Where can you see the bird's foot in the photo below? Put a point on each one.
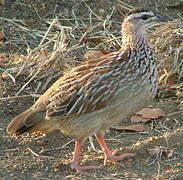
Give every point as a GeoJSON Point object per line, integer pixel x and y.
{"type": "Point", "coordinates": [75, 165]}
{"type": "Point", "coordinates": [111, 156]}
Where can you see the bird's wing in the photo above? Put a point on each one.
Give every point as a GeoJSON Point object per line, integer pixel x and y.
{"type": "Point", "coordinates": [88, 87]}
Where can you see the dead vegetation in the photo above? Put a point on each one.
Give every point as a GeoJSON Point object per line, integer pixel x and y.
{"type": "Point", "coordinates": [60, 47]}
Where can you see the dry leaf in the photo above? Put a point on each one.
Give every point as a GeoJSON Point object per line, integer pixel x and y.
{"type": "Point", "coordinates": [103, 51]}
{"type": "Point", "coordinates": [165, 78]}
{"type": "Point", "coordinates": [151, 113]}
{"type": "Point", "coordinates": [138, 118]}
{"type": "Point", "coordinates": [160, 151]}
{"type": "Point", "coordinates": [1, 36]}
{"type": "Point", "coordinates": [137, 127]}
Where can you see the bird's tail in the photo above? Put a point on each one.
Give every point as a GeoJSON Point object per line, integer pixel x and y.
{"type": "Point", "coordinates": [28, 121]}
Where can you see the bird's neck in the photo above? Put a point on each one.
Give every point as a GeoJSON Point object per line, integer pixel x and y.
{"type": "Point", "coordinates": [131, 37]}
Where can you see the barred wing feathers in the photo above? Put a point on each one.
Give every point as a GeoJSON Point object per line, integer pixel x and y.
{"type": "Point", "coordinates": [88, 87]}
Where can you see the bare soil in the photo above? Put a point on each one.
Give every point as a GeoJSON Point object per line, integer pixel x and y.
{"type": "Point", "coordinates": [159, 149]}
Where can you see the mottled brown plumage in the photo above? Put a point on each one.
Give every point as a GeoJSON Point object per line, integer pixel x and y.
{"type": "Point", "coordinates": [98, 93]}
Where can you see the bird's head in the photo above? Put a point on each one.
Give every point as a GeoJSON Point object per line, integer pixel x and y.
{"type": "Point", "coordinates": [141, 19]}
{"type": "Point", "coordinates": [135, 24]}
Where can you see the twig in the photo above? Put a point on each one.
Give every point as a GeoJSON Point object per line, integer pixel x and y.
{"type": "Point", "coordinates": [23, 96]}
{"type": "Point", "coordinates": [8, 150]}
{"type": "Point", "coordinates": [37, 155]}
{"type": "Point", "coordinates": [51, 25]}
{"type": "Point", "coordinates": [63, 146]}
{"type": "Point", "coordinates": [11, 76]}
{"type": "Point", "coordinates": [158, 173]}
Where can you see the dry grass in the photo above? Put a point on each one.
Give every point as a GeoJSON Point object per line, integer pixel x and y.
{"type": "Point", "coordinates": [61, 47]}
{"type": "Point", "coordinates": [168, 41]}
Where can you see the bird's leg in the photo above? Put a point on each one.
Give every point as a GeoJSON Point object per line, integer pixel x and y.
{"type": "Point", "coordinates": [111, 155]}
{"type": "Point", "coordinates": [75, 161]}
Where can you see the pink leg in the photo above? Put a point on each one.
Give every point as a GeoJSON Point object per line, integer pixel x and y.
{"type": "Point", "coordinates": [75, 161]}
{"type": "Point", "coordinates": [111, 155]}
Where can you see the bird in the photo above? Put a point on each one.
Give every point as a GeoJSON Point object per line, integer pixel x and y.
{"type": "Point", "coordinates": [98, 93]}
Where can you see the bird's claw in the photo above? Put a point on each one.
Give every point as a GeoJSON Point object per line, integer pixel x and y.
{"type": "Point", "coordinates": [113, 158]}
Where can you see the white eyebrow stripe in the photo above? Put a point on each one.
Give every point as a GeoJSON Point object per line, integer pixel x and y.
{"type": "Point", "coordinates": [138, 15]}
{"type": "Point", "coordinates": [143, 14]}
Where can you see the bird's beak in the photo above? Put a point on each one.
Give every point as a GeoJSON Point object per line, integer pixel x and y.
{"type": "Point", "coordinates": [161, 18]}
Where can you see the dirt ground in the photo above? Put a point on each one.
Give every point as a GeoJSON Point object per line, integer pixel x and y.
{"type": "Point", "coordinates": [158, 149]}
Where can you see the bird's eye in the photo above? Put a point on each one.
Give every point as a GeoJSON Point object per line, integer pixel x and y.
{"type": "Point", "coordinates": [145, 17]}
